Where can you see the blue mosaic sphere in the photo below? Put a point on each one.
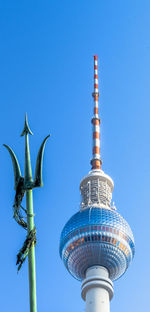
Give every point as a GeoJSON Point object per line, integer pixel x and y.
{"type": "Point", "coordinates": [97, 236]}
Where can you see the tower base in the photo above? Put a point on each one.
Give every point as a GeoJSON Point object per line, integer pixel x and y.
{"type": "Point", "coordinates": [97, 289]}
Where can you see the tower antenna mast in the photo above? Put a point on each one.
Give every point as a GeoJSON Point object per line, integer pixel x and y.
{"type": "Point", "coordinates": [24, 185]}
{"type": "Point", "coordinates": [96, 161]}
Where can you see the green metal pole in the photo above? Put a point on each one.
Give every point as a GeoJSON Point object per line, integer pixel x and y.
{"type": "Point", "coordinates": [30, 225]}
{"type": "Point", "coordinates": [31, 255]}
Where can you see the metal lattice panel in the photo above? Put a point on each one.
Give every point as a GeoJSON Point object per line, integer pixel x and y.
{"type": "Point", "coordinates": [95, 191]}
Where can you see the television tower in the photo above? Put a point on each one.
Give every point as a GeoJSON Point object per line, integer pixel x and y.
{"type": "Point", "coordinates": [96, 244]}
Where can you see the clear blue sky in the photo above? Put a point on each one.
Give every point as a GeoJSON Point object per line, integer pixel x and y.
{"type": "Point", "coordinates": [46, 69]}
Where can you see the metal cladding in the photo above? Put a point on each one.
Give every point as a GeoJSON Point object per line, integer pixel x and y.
{"type": "Point", "coordinates": [96, 235]}
{"type": "Point", "coordinates": [96, 190]}
{"type": "Point", "coordinates": [96, 160]}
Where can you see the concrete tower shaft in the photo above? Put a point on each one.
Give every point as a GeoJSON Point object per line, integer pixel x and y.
{"type": "Point", "coordinates": [97, 289]}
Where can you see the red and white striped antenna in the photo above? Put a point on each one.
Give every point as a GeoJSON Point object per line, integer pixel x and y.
{"type": "Point", "coordinates": [96, 161]}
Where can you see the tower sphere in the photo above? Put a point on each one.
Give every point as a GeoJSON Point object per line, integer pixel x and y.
{"type": "Point", "coordinates": [97, 236]}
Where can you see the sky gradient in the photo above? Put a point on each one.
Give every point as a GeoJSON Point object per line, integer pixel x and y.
{"type": "Point", "coordinates": [46, 70]}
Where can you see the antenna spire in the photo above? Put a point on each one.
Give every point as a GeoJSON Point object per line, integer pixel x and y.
{"type": "Point", "coordinates": [96, 161]}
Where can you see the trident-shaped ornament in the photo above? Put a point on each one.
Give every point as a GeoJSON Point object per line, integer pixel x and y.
{"type": "Point", "coordinates": [25, 185]}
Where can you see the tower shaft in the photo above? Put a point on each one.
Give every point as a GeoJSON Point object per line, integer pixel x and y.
{"type": "Point", "coordinates": [97, 290]}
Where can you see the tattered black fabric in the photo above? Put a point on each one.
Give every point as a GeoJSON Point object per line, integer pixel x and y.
{"type": "Point", "coordinates": [29, 242]}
